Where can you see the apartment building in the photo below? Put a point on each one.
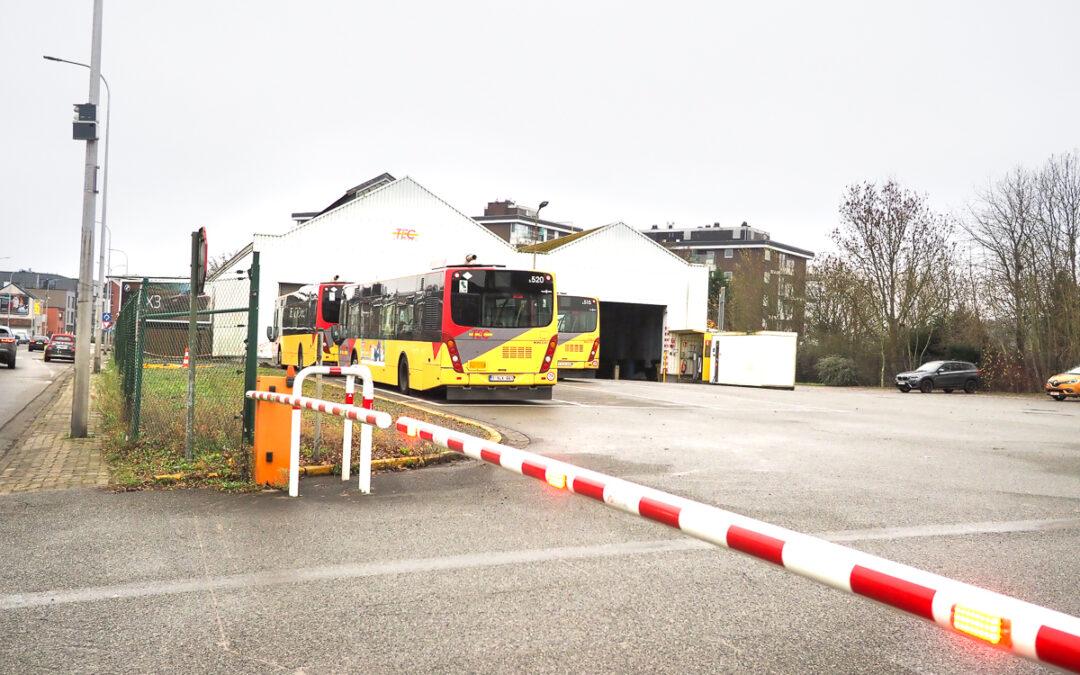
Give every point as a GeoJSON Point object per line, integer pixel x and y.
{"type": "Point", "coordinates": [766, 279]}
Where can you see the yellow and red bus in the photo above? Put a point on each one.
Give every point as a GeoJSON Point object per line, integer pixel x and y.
{"type": "Point", "coordinates": [578, 354]}
{"type": "Point", "coordinates": [302, 323]}
{"type": "Point", "coordinates": [479, 332]}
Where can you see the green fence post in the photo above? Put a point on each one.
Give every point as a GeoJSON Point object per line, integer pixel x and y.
{"type": "Point", "coordinates": [133, 310]}
{"type": "Point", "coordinates": [251, 354]}
{"type": "Point", "coordinates": [136, 363]}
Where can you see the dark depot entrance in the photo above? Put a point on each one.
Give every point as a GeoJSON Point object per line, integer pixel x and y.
{"type": "Point", "coordinates": [631, 336]}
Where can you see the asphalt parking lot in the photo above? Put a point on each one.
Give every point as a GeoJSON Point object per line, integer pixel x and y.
{"type": "Point", "coordinates": [464, 567]}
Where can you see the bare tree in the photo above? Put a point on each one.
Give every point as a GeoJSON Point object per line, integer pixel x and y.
{"type": "Point", "coordinates": [1059, 211]}
{"type": "Point", "coordinates": [834, 302]}
{"type": "Point", "coordinates": [218, 261]}
{"type": "Point", "coordinates": [901, 252]}
{"type": "Point", "coordinates": [1004, 225]}
{"type": "Point", "coordinates": [1057, 327]}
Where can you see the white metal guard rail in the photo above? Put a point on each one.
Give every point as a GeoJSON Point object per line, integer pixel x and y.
{"type": "Point", "coordinates": [365, 415]}
{"type": "Point", "coordinates": [1027, 630]}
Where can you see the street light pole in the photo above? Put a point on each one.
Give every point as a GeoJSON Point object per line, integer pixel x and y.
{"type": "Point", "coordinates": [98, 346]}
{"type": "Point", "coordinates": [80, 397]}
{"type": "Point", "coordinates": [538, 209]}
{"type": "Point", "coordinates": [104, 211]}
{"type": "Point", "coordinates": [47, 282]}
{"type": "Point", "coordinates": [116, 250]}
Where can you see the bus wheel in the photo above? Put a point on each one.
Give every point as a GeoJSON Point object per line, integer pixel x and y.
{"type": "Point", "coordinates": [403, 375]}
{"type": "Point", "coordinates": [300, 357]}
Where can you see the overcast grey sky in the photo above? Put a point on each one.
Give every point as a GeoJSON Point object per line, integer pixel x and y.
{"type": "Point", "coordinates": [234, 114]}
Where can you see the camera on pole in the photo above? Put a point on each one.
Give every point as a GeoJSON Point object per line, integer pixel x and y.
{"type": "Point", "coordinates": [84, 127]}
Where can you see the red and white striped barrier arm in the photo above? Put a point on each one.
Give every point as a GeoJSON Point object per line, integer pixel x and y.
{"type": "Point", "coordinates": [1027, 630]}
{"type": "Point", "coordinates": [376, 418]}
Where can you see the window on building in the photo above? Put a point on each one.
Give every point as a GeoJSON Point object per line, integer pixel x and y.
{"type": "Point", "coordinates": [521, 234]}
{"type": "Point", "coordinates": [767, 276]}
{"type": "Point", "coordinates": [729, 253]}
{"type": "Point", "coordinates": [768, 254]}
{"type": "Point", "coordinates": [727, 276]}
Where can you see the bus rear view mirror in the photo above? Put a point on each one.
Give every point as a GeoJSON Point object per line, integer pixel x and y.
{"type": "Point", "coordinates": [271, 333]}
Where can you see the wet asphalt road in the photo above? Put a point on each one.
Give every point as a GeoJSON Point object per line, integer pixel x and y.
{"type": "Point", "coordinates": [465, 567]}
{"type": "Point", "coordinates": [20, 386]}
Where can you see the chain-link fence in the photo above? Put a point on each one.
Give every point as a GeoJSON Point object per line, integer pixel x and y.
{"type": "Point", "coordinates": [166, 362]}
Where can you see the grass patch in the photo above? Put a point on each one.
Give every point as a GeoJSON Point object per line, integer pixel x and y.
{"type": "Point", "coordinates": [220, 459]}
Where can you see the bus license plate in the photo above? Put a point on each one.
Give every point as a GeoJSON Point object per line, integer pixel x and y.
{"type": "Point", "coordinates": [565, 364]}
{"type": "Point", "coordinates": [500, 378]}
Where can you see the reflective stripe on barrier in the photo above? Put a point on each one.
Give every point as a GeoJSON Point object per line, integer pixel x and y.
{"type": "Point", "coordinates": [373, 417]}
{"type": "Point", "coordinates": [1022, 628]}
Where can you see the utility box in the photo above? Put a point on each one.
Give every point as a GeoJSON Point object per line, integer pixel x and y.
{"type": "Point", "coordinates": [272, 436]}
{"type": "Point", "coordinates": [84, 131]}
{"type": "Point", "coordinates": [761, 359]}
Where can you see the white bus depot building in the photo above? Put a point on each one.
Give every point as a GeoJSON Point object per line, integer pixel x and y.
{"type": "Point", "coordinates": [388, 227]}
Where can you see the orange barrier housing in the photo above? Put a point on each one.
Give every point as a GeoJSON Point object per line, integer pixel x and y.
{"type": "Point", "coordinates": [272, 424]}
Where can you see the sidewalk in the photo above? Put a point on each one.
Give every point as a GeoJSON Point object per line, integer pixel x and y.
{"type": "Point", "coordinates": [46, 458]}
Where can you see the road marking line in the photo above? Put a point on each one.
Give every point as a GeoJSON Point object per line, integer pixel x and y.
{"type": "Point", "coordinates": [559, 400]}
{"type": "Point", "coordinates": [481, 560]}
{"type": "Point", "coordinates": [347, 571]}
{"type": "Point", "coordinates": [952, 529]}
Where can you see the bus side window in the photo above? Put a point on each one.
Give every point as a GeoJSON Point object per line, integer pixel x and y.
{"type": "Point", "coordinates": [374, 323]}
{"type": "Point", "coordinates": [352, 319]}
{"type": "Point", "coordinates": [386, 331]}
{"type": "Point", "coordinates": [310, 309]}
{"type": "Point", "coordinates": [405, 316]}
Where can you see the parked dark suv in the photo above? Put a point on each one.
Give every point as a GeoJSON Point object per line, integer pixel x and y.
{"type": "Point", "coordinates": [9, 346]}
{"type": "Point", "coordinates": [945, 375]}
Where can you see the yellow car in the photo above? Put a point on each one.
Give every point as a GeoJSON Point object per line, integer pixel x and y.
{"type": "Point", "coordinates": [1064, 385]}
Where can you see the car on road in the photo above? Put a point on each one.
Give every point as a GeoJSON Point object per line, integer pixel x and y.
{"type": "Point", "coordinates": [22, 336]}
{"type": "Point", "coordinates": [1063, 385]}
{"type": "Point", "coordinates": [9, 346]}
{"type": "Point", "coordinates": [945, 375]}
{"type": "Point", "coordinates": [62, 346]}
{"type": "Point", "coordinates": [38, 343]}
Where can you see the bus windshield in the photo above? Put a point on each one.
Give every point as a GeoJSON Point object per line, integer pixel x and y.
{"type": "Point", "coordinates": [330, 304]}
{"type": "Point", "coordinates": [577, 314]}
{"type": "Point", "coordinates": [501, 298]}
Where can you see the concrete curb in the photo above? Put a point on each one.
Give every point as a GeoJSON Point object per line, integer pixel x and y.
{"type": "Point", "coordinates": [493, 435]}
{"type": "Point", "coordinates": [165, 477]}
{"type": "Point", "coordinates": [385, 463]}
